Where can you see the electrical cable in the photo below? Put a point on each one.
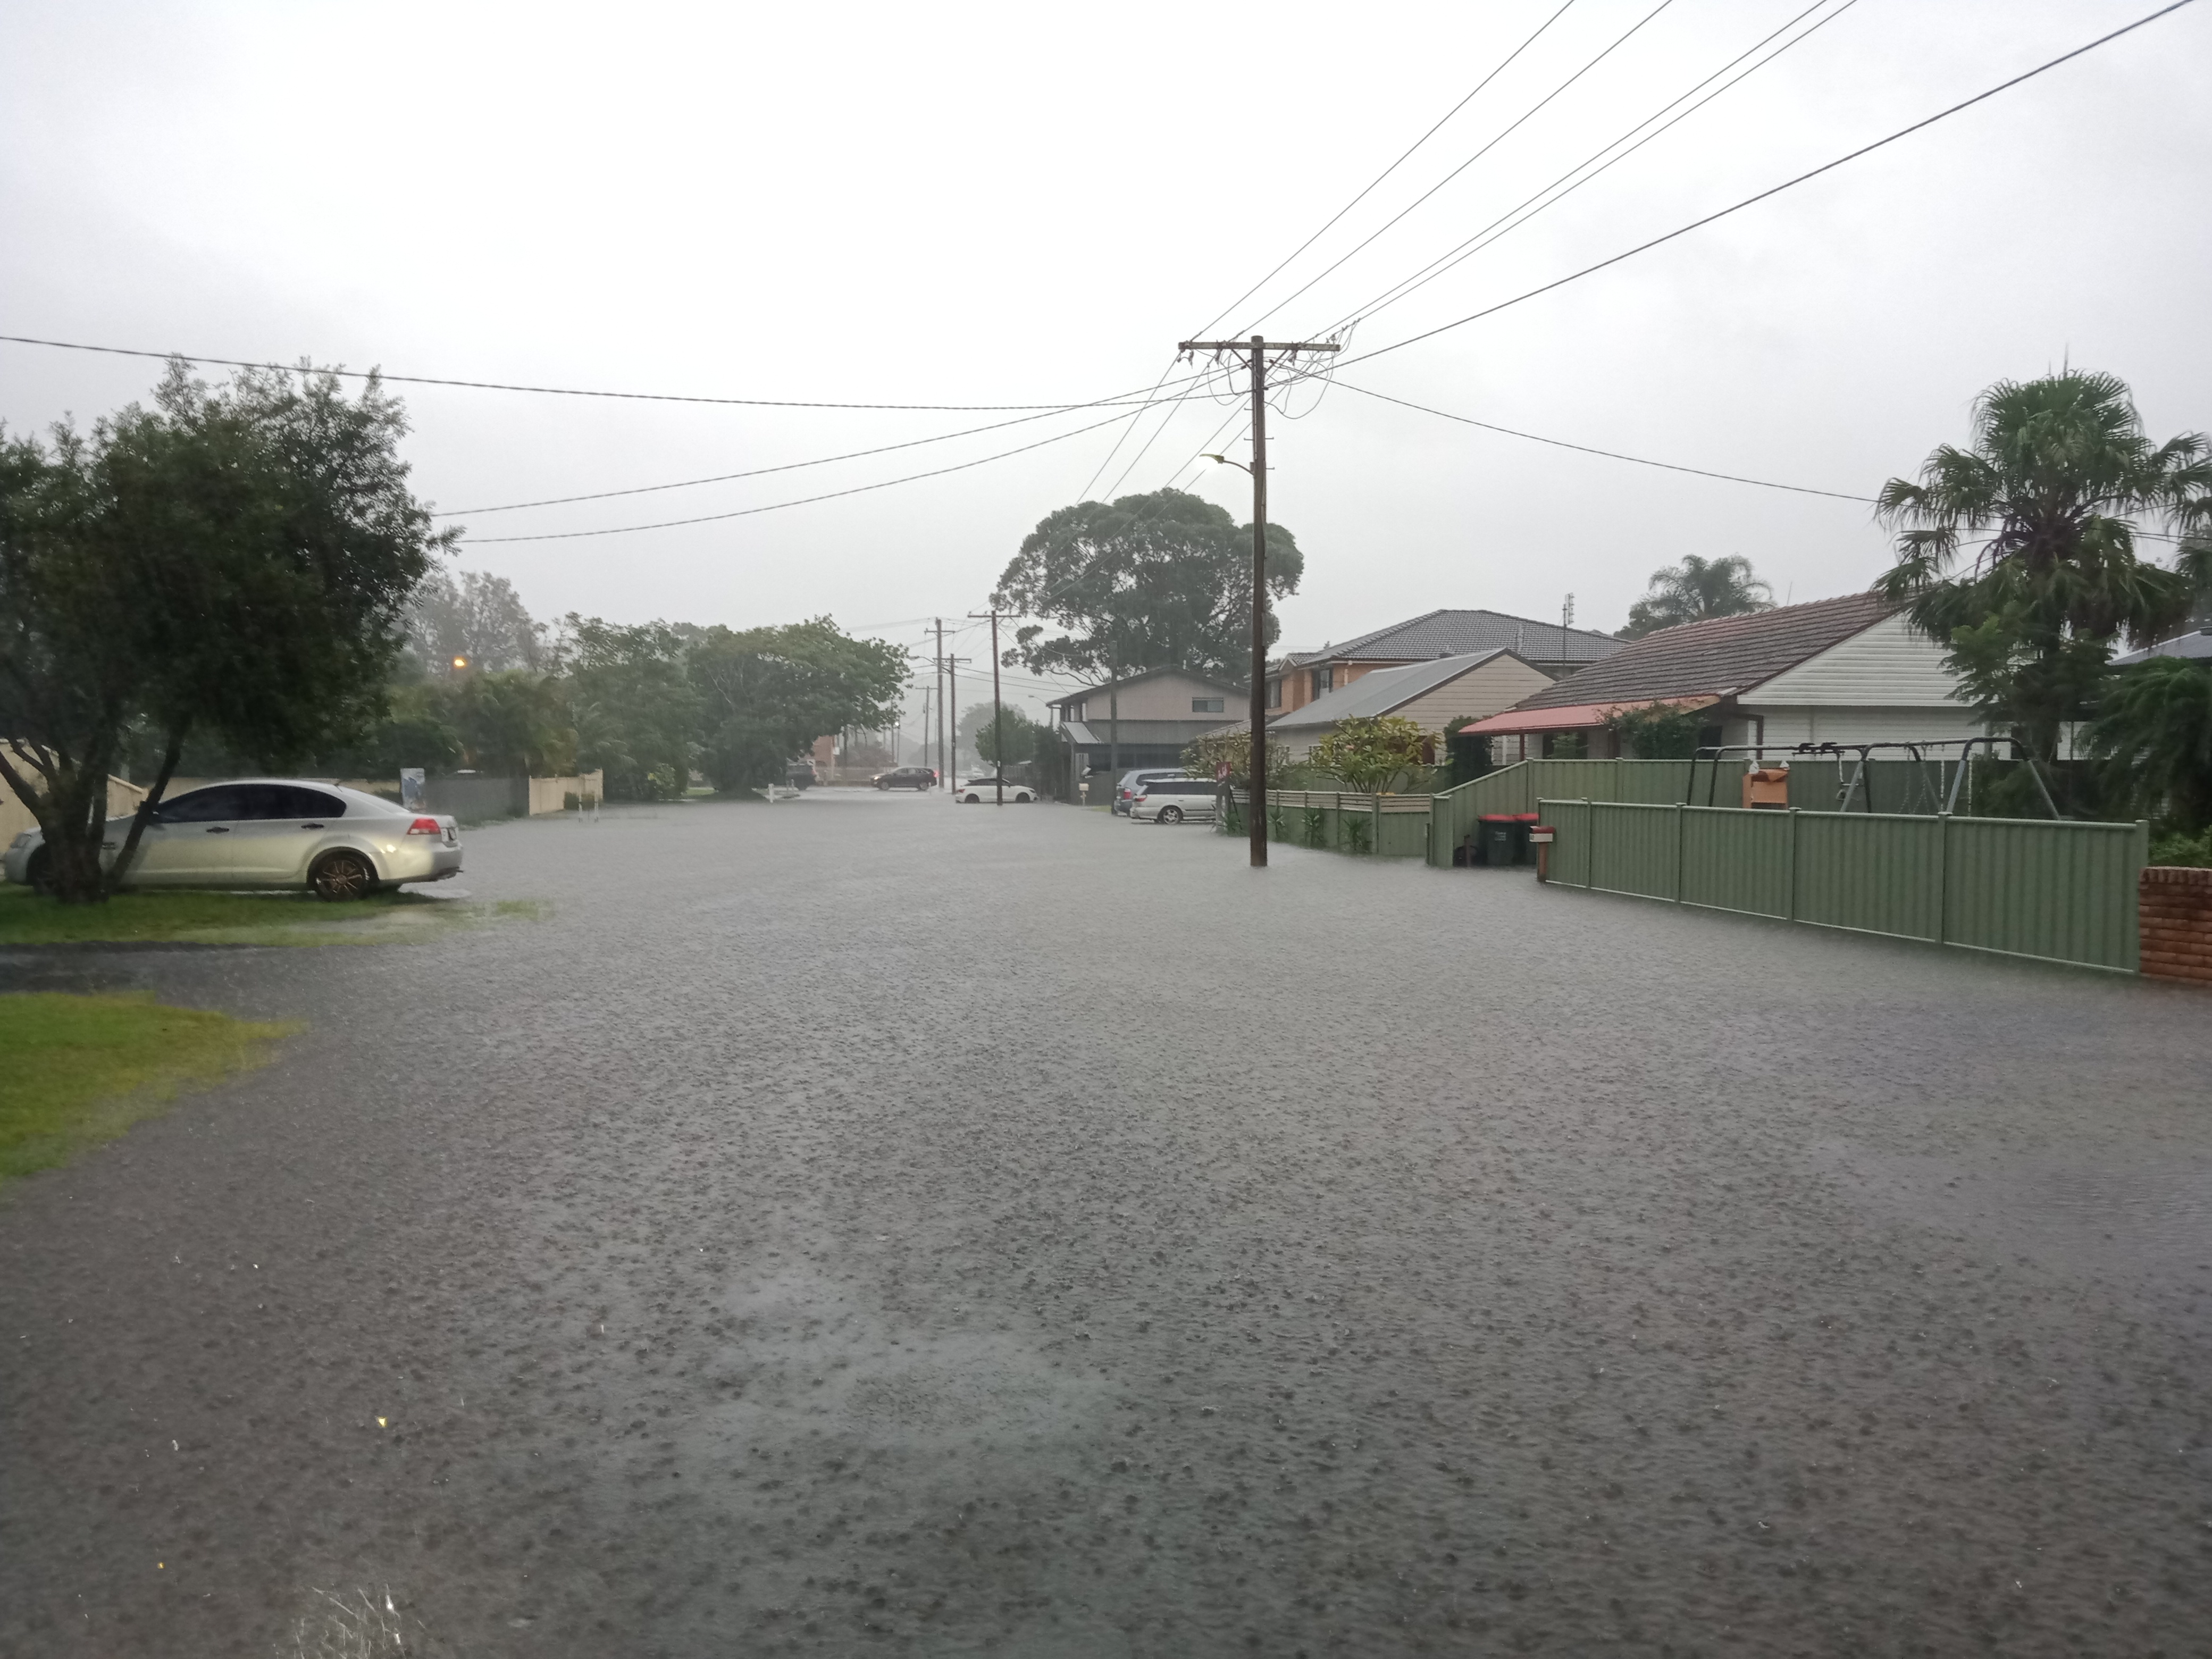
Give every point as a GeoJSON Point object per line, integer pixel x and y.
{"type": "Point", "coordinates": [1526, 116]}
{"type": "Point", "coordinates": [804, 500]}
{"type": "Point", "coordinates": [761, 471]}
{"type": "Point", "coordinates": [1385, 174]}
{"type": "Point", "coordinates": [1483, 238]}
{"type": "Point", "coordinates": [1776, 190]}
{"type": "Point", "coordinates": [1610, 454]}
{"type": "Point", "coordinates": [1132, 395]}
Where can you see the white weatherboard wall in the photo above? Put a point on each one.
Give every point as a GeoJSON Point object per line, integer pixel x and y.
{"type": "Point", "coordinates": [1886, 683]}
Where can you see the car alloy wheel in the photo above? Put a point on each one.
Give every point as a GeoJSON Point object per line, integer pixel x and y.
{"type": "Point", "coordinates": [342, 876]}
{"type": "Point", "coordinates": [1171, 815]}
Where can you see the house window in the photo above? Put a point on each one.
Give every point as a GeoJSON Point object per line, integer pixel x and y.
{"type": "Point", "coordinates": [1208, 705]}
{"type": "Point", "coordinates": [1324, 680]}
{"type": "Point", "coordinates": [1274, 694]}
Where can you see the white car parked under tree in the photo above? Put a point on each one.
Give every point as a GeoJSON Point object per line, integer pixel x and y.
{"type": "Point", "coordinates": [270, 833]}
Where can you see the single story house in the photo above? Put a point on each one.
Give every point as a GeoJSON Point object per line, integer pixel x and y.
{"type": "Point", "coordinates": [1431, 693]}
{"type": "Point", "coordinates": [1848, 669]}
{"type": "Point", "coordinates": [1302, 676]}
{"type": "Point", "coordinates": [1144, 719]}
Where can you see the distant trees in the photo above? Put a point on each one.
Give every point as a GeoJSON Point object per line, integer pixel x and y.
{"type": "Point", "coordinates": [2052, 481]}
{"type": "Point", "coordinates": [232, 563]}
{"type": "Point", "coordinates": [767, 693]}
{"type": "Point", "coordinates": [1022, 735]}
{"type": "Point", "coordinates": [1697, 590]}
{"type": "Point", "coordinates": [476, 617]}
{"type": "Point", "coordinates": [1161, 580]}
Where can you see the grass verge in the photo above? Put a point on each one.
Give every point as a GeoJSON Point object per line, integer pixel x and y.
{"type": "Point", "coordinates": [187, 918]}
{"type": "Point", "coordinates": [78, 1070]}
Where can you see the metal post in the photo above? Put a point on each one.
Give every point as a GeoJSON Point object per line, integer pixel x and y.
{"type": "Point", "coordinates": [997, 714]}
{"type": "Point", "coordinates": [943, 766]}
{"type": "Point", "coordinates": [1258, 763]}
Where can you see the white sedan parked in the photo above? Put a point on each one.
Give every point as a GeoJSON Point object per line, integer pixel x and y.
{"type": "Point", "coordinates": [270, 832]}
{"type": "Point", "coordinates": [977, 790]}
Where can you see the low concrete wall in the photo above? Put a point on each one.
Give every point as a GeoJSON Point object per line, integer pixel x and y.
{"type": "Point", "coordinates": [122, 799]}
{"type": "Point", "coordinates": [549, 795]}
{"type": "Point", "coordinates": [2175, 904]}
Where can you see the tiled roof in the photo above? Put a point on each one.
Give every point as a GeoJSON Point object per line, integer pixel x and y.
{"type": "Point", "coordinates": [1381, 691]}
{"type": "Point", "coordinates": [1458, 632]}
{"type": "Point", "coordinates": [1726, 654]}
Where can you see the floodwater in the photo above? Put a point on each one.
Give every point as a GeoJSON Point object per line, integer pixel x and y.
{"type": "Point", "coordinates": [876, 1225]}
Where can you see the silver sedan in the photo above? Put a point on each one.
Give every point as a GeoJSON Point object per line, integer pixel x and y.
{"type": "Point", "coordinates": [270, 832]}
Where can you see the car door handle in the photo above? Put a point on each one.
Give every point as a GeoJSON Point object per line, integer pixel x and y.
{"type": "Point", "coordinates": [310, 826]}
{"type": "Point", "coordinates": [218, 829]}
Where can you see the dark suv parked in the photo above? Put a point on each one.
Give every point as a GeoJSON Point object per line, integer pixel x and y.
{"type": "Point", "coordinates": [906, 777]}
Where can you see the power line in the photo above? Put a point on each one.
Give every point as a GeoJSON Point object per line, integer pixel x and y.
{"type": "Point", "coordinates": [1132, 395]}
{"type": "Point", "coordinates": [1527, 115]}
{"type": "Point", "coordinates": [787, 466]}
{"type": "Point", "coordinates": [1385, 174]}
{"type": "Point", "coordinates": [1788, 184]}
{"type": "Point", "coordinates": [804, 500]}
{"type": "Point", "coordinates": [1483, 238]}
{"type": "Point", "coordinates": [1610, 454]}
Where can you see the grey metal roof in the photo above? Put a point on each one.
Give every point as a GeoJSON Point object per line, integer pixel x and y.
{"type": "Point", "coordinates": [1381, 690]}
{"type": "Point", "coordinates": [1726, 654]}
{"type": "Point", "coordinates": [2198, 644]}
{"type": "Point", "coordinates": [1456, 633]}
{"type": "Point", "coordinates": [1095, 733]}
{"type": "Point", "coordinates": [1103, 686]}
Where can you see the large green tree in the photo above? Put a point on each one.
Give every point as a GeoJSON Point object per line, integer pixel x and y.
{"type": "Point", "coordinates": [634, 703]}
{"type": "Point", "coordinates": [233, 562]}
{"type": "Point", "coordinates": [767, 693]}
{"type": "Point", "coordinates": [1162, 580]}
{"type": "Point", "coordinates": [1697, 590]}
{"type": "Point", "coordinates": [2050, 487]}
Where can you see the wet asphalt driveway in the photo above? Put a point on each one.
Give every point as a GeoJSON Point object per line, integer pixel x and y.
{"type": "Point", "coordinates": [872, 1225]}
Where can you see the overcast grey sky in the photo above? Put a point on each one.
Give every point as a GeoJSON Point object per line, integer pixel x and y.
{"type": "Point", "coordinates": [1017, 205]}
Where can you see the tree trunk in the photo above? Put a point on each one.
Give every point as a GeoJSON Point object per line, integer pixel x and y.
{"type": "Point", "coordinates": [169, 757]}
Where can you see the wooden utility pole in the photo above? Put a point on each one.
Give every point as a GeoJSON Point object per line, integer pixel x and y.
{"type": "Point", "coordinates": [998, 708]}
{"type": "Point", "coordinates": [945, 771]}
{"type": "Point", "coordinates": [1258, 349]}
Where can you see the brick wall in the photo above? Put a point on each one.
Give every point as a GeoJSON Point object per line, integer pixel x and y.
{"type": "Point", "coordinates": [2175, 907]}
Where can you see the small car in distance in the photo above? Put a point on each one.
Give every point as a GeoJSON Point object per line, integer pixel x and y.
{"type": "Point", "coordinates": [270, 833]}
{"type": "Point", "coordinates": [1175, 801]}
{"type": "Point", "coordinates": [978, 790]}
{"type": "Point", "coordinates": [1131, 782]}
{"type": "Point", "coordinates": [906, 777]}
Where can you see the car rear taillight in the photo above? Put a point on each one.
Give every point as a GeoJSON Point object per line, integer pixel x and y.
{"type": "Point", "coordinates": [426, 827]}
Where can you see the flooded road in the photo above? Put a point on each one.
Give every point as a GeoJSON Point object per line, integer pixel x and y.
{"type": "Point", "coordinates": [873, 1225]}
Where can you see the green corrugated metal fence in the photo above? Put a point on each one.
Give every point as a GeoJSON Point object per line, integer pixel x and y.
{"type": "Point", "coordinates": [1902, 787]}
{"type": "Point", "coordinates": [2063, 891]}
{"type": "Point", "coordinates": [1338, 821]}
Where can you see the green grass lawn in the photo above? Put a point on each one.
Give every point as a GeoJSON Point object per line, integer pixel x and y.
{"type": "Point", "coordinates": [27, 918]}
{"type": "Point", "coordinates": [78, 1070]}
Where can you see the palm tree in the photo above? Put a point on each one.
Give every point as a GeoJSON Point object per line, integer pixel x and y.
{"type": "Point", "coordinates": [1698, 590]}
{"type": "Point", "coordinates": [2055, 475]}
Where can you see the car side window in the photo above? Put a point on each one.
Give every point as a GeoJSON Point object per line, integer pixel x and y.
{"type": "Point", "coordinates": [217, 805]}
{"type": "Point", "coordinates": [290, 801]}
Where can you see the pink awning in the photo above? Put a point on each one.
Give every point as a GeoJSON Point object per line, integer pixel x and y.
{"type": "Point", "coordinates": [1574, 715]}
